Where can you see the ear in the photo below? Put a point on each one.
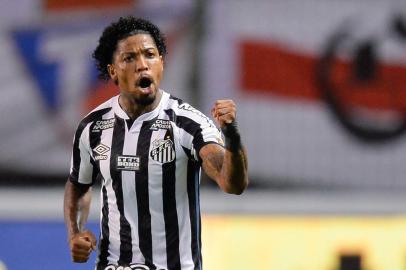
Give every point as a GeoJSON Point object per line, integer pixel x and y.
{"type": "Point", "coordinates": [112, 72]}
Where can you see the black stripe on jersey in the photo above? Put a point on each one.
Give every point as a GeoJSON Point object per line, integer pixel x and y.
{"type": "Point", "coordinates": [96, 170]}
{"type": "Point", "coordinates": [170, 211]}
{"type": "Point", "coordinates": [193, 170]}
{"type": "Point", "coordinates": [105, 232]}
{"type": "Point", "coordinates": [190, 126]}
{"type": "Point", "coordinates": [94, 140]}
{"type": "Point", "coordinates": [187, 152]}
{"type": "Point", "coordinates": [117, 146]}
{"type": "Point", "coordinates": [141, 187]}
{"type": "Point", "coordinates": [76, 151]}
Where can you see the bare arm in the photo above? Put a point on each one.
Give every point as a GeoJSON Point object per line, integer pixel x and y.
{"type": "Point", "coordinates": [228, 169]}
{"type": "Point", "coordinates": [227, 166]}
{"type": "Point", "coordinates": [76, 208]}
{"type": "Point", "coordinates": [84, 209]}
{"type": "Point", "coordinates": [76, 211]}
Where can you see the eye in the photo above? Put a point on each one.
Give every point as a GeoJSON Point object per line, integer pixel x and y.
{"type": "Point", "coordinates": [128, 58]}
{"type": "Point", "coordinates": [150, 54]}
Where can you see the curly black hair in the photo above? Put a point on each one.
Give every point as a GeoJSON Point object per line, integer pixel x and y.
{"type": "Point", "coordinates": [121, 29]}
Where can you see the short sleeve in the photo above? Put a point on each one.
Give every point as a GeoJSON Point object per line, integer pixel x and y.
{"type": "Point", "coordinates": [200, 127]}
{"type": "Point", "coordinates": [82, 165]}
{"type": "Point", "coordinates": [206, 134]}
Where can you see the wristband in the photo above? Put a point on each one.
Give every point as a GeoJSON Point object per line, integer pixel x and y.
{"type": "Point", "coordinates": [232, 138]}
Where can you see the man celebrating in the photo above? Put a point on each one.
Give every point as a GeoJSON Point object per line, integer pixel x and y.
{"type": "Point", "coordinates": [147, 147]}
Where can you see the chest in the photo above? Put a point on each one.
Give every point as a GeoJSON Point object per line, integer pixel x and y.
{"type": "Point", "coordinates": [137, 147]}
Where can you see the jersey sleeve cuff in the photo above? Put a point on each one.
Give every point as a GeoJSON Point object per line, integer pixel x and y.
{"type": "Point", "coordinates": [74, 180]}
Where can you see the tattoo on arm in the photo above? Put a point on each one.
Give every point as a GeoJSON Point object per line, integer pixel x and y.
{"type": "Point", "coordinates": [213, 162]}
{"type": "Point", "coordinates": [227, 168]}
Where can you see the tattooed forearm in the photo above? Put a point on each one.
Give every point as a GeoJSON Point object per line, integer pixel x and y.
{"type": "Point", "coordinates": [228, 169]}
{"type": "Point", "coordinates": [213, 163]}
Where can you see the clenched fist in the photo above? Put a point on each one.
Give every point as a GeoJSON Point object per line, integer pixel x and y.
{"type": "Point", "coordinates": [224, 112]}
{"type": "Point", "coordinates": [81, 245]}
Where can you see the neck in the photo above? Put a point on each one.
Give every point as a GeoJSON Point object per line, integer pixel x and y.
{"type": "Point", "coordinates": [133, 108]}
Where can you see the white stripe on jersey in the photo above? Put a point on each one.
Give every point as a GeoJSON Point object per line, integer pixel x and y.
{"type": "Point", "coordinates": [185, 237]}
{"type": "Point", "coordinates": [114, 214]}
{"type": "Point", "coordinates": [85, 172]}
{"type": "Point", "coordinates": [130, 198]}
{"type": "Point", "coordinates": [156, 202]}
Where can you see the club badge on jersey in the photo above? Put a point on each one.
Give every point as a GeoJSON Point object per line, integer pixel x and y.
{"type": "Point", "coordinates": [163, 151]}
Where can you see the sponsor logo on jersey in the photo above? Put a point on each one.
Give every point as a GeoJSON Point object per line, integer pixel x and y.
{"type": "Point", "coordinates": [128, 163]}
{"type": "Point", "coordinates": [100, 151]}
{"type": "Point", "coordinates": [163, 151]}
{"type": "Point", "coordinates": [161, 124]}
{"type": "Point", "coordinates": [103, 124]}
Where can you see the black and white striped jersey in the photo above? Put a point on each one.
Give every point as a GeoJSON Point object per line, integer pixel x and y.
{"type": "Point", "coordinates": [150, 175]}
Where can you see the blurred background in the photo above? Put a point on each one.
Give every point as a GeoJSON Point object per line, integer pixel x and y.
{"type": "Point", "coordinates": [320, 89]}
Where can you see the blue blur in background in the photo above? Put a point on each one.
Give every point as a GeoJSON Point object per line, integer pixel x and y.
{"type": "Point", "coordinates": [39, 245]}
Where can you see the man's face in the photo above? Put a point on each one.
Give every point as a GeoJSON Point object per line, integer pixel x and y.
{"type": "Point", "coordinates": [137, 68]}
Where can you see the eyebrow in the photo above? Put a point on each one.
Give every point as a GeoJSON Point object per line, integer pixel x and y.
{"type": "Point", "coordinates": [143, 49]}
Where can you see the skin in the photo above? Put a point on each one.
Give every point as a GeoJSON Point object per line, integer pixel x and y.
{"type": "Point", "coordinates": [76, 209]}
{"type": "Point", "coordinates": [229, 170]}
{"type": "Point", "coordinates": [135, 57]}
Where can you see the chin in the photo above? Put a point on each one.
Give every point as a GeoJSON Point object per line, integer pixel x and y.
{"type": "Point", "coordinates": [148, 100]}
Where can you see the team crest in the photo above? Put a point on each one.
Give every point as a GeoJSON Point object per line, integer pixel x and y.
{"type": "Point", "coordinates": [163, 151]}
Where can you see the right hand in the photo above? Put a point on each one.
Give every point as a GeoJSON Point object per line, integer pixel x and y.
{"type": "Point", "coordinates": [81, 245]}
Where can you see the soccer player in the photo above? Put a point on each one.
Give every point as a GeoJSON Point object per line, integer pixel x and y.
{"type": "Point", "coordinates": [147, 147]}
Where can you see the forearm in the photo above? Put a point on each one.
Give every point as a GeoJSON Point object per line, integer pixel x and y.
{"type": "Point", "coordinates": [227, 165]}
{"type": "Point", "coordinates": [234, 173]}
{"type": "Point", "coordinates": [75, 208]}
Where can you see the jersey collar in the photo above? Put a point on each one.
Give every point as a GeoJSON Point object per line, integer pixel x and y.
{"type": "Point", "coordinates": [146, 116]}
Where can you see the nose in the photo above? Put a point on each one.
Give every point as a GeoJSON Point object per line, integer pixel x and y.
{"type": "Point", "coordinates": [141, 64]}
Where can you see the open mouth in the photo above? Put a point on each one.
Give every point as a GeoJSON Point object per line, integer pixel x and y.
{"type": "Point", "coordinates": [144, 82]}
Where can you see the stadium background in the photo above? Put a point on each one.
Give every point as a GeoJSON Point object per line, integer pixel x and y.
{"type": "Point", "coordinates": [320, 91]}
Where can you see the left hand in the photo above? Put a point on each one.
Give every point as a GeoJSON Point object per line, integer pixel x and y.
{"type": "Point", "coordinates": [224, 112]}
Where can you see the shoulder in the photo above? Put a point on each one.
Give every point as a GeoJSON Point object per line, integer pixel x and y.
{"type": "Point", "coordinates": [184, 114]}
{"type": "Point", "coordinates": [171, 102]}
{"type": "Point", "coordinates": [96, 114]}
{"type": "Point", "coordinates": [182, 108]}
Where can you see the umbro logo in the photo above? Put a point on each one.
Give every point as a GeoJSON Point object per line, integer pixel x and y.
{"type": "Point", "coordinates": [100, 151]}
